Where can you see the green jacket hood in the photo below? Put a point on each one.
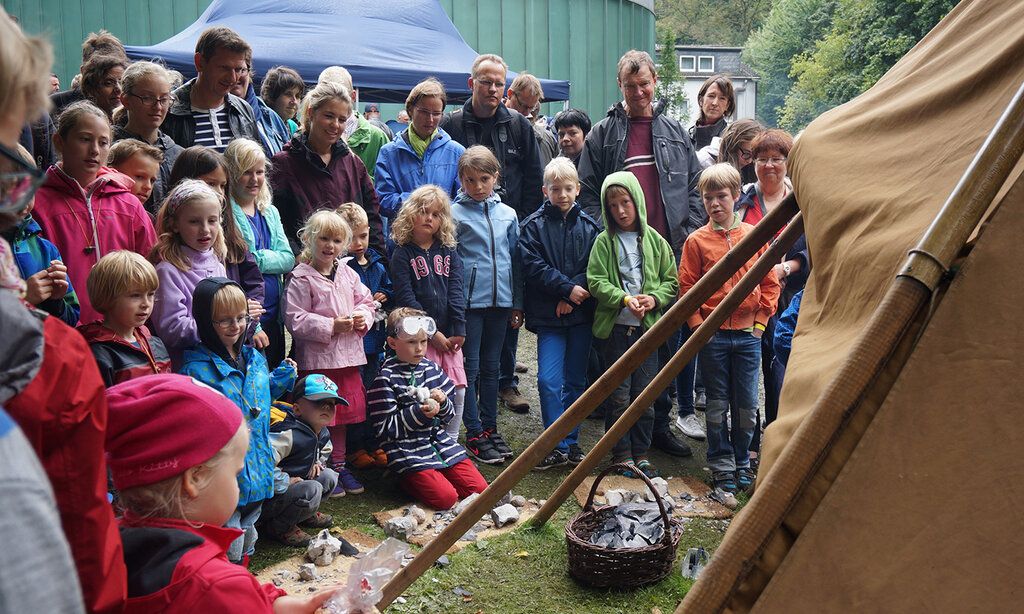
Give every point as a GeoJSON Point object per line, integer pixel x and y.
{"type": "Point", "coordinates": [627, 180]}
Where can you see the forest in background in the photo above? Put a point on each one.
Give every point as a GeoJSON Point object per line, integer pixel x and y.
{"type": "Point", "coordinates": [812, 55]}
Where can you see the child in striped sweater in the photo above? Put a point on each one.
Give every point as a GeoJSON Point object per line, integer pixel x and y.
{"type": "Point", "coordinates": [410, 404]}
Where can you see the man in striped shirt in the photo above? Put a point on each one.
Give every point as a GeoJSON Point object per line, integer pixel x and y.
{"type": "Point", "coordinates": [204, 111]}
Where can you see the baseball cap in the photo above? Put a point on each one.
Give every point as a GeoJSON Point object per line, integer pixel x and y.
{"type": "Point", "coordinates": [318, 387]}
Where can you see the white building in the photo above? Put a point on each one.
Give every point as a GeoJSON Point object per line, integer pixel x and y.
{"type": "Point", "coordinates": [698, 62]}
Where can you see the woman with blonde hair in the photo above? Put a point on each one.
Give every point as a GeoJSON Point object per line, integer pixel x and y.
{"type": "Point", "coordinates": [260, 224]}
{"type": "Point", "coordinates": [317, 168]}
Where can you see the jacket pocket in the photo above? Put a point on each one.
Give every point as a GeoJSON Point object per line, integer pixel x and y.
{"type": "Point", "coordinates": [469, 293]}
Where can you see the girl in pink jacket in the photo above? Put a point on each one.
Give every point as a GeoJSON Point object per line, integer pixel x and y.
{"type": "Point", "coordinates": [328, 310]}
{"type": "Point", "coordinates": [84, 209]}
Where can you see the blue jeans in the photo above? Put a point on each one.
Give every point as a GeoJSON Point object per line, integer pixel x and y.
{"type": "Point", "coordinates": [683, 383]}
{"type": "Point", "coordinates": [729, 364]}
{"type": "Point", "coordinates": [299, 502]}
{"type": "Point", "coordinates": [637, 441]}
{"type": "Point", "coordinates": [485, 335]}
{"type": "Point", "coordinates": [562, 356]}
{"type": "Point", "coordinates": [507, 377]}
{"type": "Point", "coordinates": [244, 518]}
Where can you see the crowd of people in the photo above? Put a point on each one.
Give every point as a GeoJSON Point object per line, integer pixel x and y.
{"type": "Point", "coordinates": [235, 302]}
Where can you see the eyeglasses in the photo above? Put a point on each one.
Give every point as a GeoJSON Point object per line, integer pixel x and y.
{"type": "Point", "coordinates": [150, 101]}
{"type": "Point", "coordinates": [772, 161]}
{"type": "Point", "coordinates": [410, 326]}
{"type": "Point", "coordinates": [746, 154]}
{"type": "Point", "coordinates": [18, 186]}
{"type": "Point", "coordinates": [240, 321]}
{"type": "Point", "coordinates": [430, 114]}
{"type": "Point", "coordinates": [489, 84]}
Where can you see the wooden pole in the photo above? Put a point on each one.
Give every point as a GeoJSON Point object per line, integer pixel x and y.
{"type": "Point", "coordinates": [668, 373]}
{"type": "Point", "coordinates": [591, 398]}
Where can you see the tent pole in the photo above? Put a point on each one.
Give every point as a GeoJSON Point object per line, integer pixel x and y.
{"type": "Point", "coordinates": [668, 373]}
{"type": "Point", "coordinates": [671, 321]}
{"type": "Point", "coordinates": [926, 264]}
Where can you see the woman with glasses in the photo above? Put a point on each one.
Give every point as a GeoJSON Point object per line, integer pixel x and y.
{"type": "Point", "coordinates": [735, 147]}
{"type": "Point", "coordinates": [422, 153]}
{"type": "Point", "coordinates": [146, 97]}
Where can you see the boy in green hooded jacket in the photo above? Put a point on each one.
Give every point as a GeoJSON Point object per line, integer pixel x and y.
{"type": "Point", "coordinates": [632, 274]}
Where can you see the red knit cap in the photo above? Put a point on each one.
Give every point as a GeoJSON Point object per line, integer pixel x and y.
{"type": "Point", "coordinates": [158, 426]}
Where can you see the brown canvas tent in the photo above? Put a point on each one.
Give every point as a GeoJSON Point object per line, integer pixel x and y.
{"type": "Point", "coordinates": [912, 503]}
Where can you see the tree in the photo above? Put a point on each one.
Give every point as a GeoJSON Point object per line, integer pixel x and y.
{"type": "Point", "coordinates": [710, 22]}
{"type": "Point", "coordinates": [670, 85]}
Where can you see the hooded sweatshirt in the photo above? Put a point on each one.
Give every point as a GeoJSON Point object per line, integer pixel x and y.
{"type": "Point", "coordinates": [431, 280]}
{"type": "Point", "coordinates": [658, 270]}
{"type": "Point", "coordinates": [246, 382]}
{"type": "Point", "coordinates": [172, 310]}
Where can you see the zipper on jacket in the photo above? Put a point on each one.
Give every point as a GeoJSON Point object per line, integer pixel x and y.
{"type": "Point", "coordinates": [494, 258]}
{"type": "Point", "coordinates": [472, 282]}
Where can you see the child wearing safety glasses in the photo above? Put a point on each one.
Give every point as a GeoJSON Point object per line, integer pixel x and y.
{"type": "Point", "coordinates": [410, 404]}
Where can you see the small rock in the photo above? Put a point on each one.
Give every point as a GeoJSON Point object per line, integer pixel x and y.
{"type": "Point", "coordinates": [532, 501]}
{"type": "Point", "coordinates": [542, 502]}
{"type": "Point", "coordinates": [518, 501]}
{"type": "Point", "coordinates": [399, 599]}
{"type": "Point", "coordinates": [486, 522]}
{"type": "Point", "coordinates": [504, 515]}
{"type": "Point", "coordinates": [414, 511]}
{"type": "Point", "coordinates": [617, 496]}
{"type": "Point", "coordinates": [307, 572]}
{"type": "Point", "coordinates": [277, 581]}
{"type": "Point", "coordinates": [401, 527]}
{"type": "Point", "coordinates": [323, 548]}
{"type": "Point", "coordinates": [480, 527]}
{"type": "Point", "coordinates": [660, 485]}
{"type": "Point", "coordinates": [470, 536]}
{"type": "Point", "coordinates": [506, 499]}
{"type": "Point", "coordinates": [443, 561]}
{"type": "Point", "coordinates": [462, 505]}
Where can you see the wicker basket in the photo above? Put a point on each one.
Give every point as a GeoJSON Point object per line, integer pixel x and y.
{"type": "Point", "coordinates": [618, 567]}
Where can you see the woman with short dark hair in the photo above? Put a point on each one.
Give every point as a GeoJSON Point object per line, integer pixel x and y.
{"type": "Point", "coordinates": [716, 100]}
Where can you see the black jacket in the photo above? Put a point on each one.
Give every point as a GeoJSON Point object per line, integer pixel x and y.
{"type": "Point", "coordinates": [604, 152]}
{"type": "Point", "coordinates": [431, 280]}
{"type": "Point", "coordinates": [702, 135]}
{"type": "Point", "coordinates": [306, 445]}
{"type": "Point", "coordinates": [181, 126]}
{"type": "Point", "coordinates": [555, 251]}
{"type": "Point", "coordinates": [515, 146]}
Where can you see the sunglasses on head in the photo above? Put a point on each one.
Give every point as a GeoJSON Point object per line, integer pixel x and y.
{"type": "Point", "coordinates": [19, 181]}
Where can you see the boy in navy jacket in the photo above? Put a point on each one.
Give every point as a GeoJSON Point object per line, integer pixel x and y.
{"type": "Point", "coordinates": [554, 245]}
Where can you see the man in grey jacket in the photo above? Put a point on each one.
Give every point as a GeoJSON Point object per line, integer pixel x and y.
{"type": "Point", "coordinates": [204, 111]}
{"type": "Point", "coordinates": [636, 136]}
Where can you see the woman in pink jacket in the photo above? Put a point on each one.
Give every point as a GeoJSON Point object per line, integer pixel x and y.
{"type": "Point", "coordinates": [83, 208]}
{"type": "Point", "coordinates": [328, 310]}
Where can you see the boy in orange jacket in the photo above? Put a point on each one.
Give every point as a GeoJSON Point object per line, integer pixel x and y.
{"type": "Point", "coordinates": [730, 361]}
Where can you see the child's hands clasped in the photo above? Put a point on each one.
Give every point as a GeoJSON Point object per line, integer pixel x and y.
{"type": "Point", "coordinates": [563, 308]}
{"type": "Point", "coordinates": [438, 395]}
{"type": "Point", "coordinates": [359, 322]}
{"type": "Point", "coordinates": [578, 295]}
{"type": "Point", "coordinates": [343, 324]}
{"type": "Point", "coordinates": [50, 283]}
{"type": "Point", "coordinates": [430, 408]}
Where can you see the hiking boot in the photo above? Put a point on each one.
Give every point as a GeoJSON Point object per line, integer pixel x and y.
{"type": "Point", "coordinates": [347, 483]}
{"type": "Point", "coordinates": [554, 459]}
{"type": "Point", "coordinates": [670, 444]}
{"type": "Point", "coordinates": [575, 454]}
{"type": "Point", "coordinates": [380, 458]}
{"type": "Point", "coordinates": [690, 426]}
{"type": "Point", "coordinates": [499, 444]}
{"type": "Point", "coordinates": [513, 400]}
{"type": "Point", "coordinates": [724, 497]}
{"type": "Point", "coordinates": [318, 520]}
{"type": "Point", "coordinates": [361, 459]}
{"type": "Point", "coordinates": [481, 448]}
{"type": "Point", "coordinates": [700, 400]}
{"type": "Point", "coordinates": [293, 537]}
{"type": "Point", "coordinates": [745, 478]}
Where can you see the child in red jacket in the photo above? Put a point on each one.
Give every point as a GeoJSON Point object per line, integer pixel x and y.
{"type": "Point", "coordinates": [175, 447]}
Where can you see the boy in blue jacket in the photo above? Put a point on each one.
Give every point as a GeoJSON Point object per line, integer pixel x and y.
{"type": "Point", "coordinates": [554, 245]}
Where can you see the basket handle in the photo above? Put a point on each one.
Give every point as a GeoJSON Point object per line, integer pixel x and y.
{"type": "Point", "coordinates": [657, 499]}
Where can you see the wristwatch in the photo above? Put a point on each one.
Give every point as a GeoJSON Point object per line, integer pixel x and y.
{"type": "Point", "coordinates": [788, 269]}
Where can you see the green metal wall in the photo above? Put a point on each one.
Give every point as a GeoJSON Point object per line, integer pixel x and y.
{"type": "Point", "coordinates": [578, 40]}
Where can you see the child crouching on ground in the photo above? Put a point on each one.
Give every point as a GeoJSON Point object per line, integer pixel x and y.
{"type": "Point", "coordinates": [632, 274]}
{"type": "Point", "coordinates": [410, 404]}
{"type": "Point", "coordinates": [122, 287]}
{"type": "Point", "coordinates": [302, 451]}
{"type": "Point", "coordinates": [175, 447]}
{"type": "Point", "coordinates": [239, 372]}
{"type": "Point", "coordinates": [730, 362]}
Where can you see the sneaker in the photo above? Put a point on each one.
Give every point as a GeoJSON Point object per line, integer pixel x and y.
{"type": "Point", "coordinates": [294, 537]}
{"type": "Point", "coordinates": [361, 459]}
{"type": "Point", "coordinates": [724, 480]}
{"type": "Point", "coordinates": [670, 444]}
{"type": "Point", "coordinates": [554, 459]}
{"type": "Point", "coordinates": [647, 468]}
{"type": "Point", "coordinates": [513, 400]}
{"type": "Point", "coordinates": [481, 448]}
{"type": "Point", "coordinates": [521, 368]}
{"type": "Point", "coordinates": [349, 483]}
{"type": "Point", "coordinates": [700, 400]}
{"type": "Point", "coordinates": [499, 444]}
{"type": "Point", "coordinates": [380, 458]}
{"type": "Point", "coordinates": [690, 426]}
{"type": "Point", "coordinates": [745, 478]}
{"type": "Point", "coordinates": [318, 520]}
{"type": "Point", "coordinates": [575, 454]}
{"type": "Point", "coordinates": [724, 497]}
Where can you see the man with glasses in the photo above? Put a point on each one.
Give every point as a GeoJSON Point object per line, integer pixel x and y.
{"type": "Point", "coordinates": [204, 111]}
{"type": "Point", "coordinates": [524, 96]}
{"type": "Point", "coordinates": [483, 120]}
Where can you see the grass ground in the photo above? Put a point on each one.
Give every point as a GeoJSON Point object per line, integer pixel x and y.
{"type": "Point", "coordinates": [500, 578]}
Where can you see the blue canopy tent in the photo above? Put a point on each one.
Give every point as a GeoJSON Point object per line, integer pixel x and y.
{"type": "Point", "coordinates": [388, 45]}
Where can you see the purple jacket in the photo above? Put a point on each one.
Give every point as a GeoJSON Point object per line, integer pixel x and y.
{"type": "Point", "coordinates": [302, 183]}
{"type": "Point", "coordinates": [312, 302]}
{"type": "Point", "coordinates": [172, 311]}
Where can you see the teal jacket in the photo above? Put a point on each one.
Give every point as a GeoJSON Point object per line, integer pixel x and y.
{"type": "Point", "coordinates": [659, 268]}
{"type": "Point", "coordinates": [277, 260]}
